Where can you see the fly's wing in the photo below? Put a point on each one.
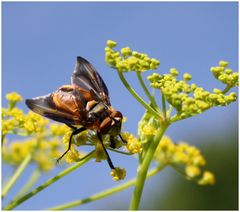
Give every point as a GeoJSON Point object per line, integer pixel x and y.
{"type": "Point", "coordinates": [45, 106]}
{"type": "Point", "coordinates": [85, 76]}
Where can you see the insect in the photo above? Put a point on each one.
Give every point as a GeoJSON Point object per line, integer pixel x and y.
{"type": "Point", "coordinates": [85, 102]}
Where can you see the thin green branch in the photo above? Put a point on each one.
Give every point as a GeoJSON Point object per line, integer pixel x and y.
{"type": "Point", "coordinates": [106, 192]}
{"type": "Point", "coordinates": [16, 175]}
{"type": "Point", "coordinates": [31, 181]}
{"type": "Point", "coordinates": [137, 97]}
{"type": "Point", "coordinates": [181, 172]}
{"type": "Point", "coordinates": [164, 107]}
{"type": "Point", "coordinates": [150, 97]}
{"type": "Point", "coordinates": [143, 168]}
{"type": "Point", "coordinates": [170, 108]}
{"type": "Point", "coordinates": [118, 151]}
{"type": "Point", "coordinates": [225, 90]}
{"type": "Point", "coordinates": [18, 201]}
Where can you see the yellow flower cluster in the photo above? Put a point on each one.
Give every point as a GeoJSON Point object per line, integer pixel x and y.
{"type": "Point", "coordinates": [128, 60]}
{"type": "Point", "coordinates": [118, 174]}
{"type": "Point", "coordinates": [45, 152]}
{"type": "Point", "coordinates": [186, 155]}
{"type": "Point", "coordinates": [147, 127]}
{"type": "Point", "coordinates": [14, 121]}
{"type": "Point", "coordinates": [188, 99]}
{"type": "Point", "coordinates": [59, 130]}
{"type": "Point", "coordinates": [224, 74]}
{"type": "Point", "coordinates": [133, 144]}
{"type": "Point", "coordinates": [74, 155]}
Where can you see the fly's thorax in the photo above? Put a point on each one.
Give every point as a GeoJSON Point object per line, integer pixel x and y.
{"type": "Point", "coordinates": [97, 112]}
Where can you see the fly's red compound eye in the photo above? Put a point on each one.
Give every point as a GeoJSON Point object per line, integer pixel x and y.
{"type": "Point", "coordinates": [117, 115]}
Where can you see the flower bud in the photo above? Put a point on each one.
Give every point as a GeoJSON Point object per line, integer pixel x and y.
{"type": "Point", "coordinates": [118, 174]}
{"type": "Point", "coordinates": [111, 43]}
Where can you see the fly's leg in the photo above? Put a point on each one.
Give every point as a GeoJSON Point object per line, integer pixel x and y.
{"type": "Point", "coordinates": [75, 132]}
{"type": "Point", "coordinates": [108, 157]}
{"type": "Point", "coordinates": [122, 139]}
{"type": "Point", "coordinates": [112, 142]}
{"type": "Point", "coordinates": [72, 127]}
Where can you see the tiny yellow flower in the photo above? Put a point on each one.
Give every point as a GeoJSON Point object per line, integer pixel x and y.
{"type": "Point", "coordinates": [207, 179]}
{"type": "Point", "coordinates": [223, 63]}
{"type": "Point", "coordinates": [174, 72]}
{"type": "Point", "coordinates": [192, 171]}
{"type": "Point", "coordinates": [198, 160]}
{"type": "Point", "coordinates": [14, 97]}
{"type": "Point", "coordinates": [126, 51]}
{"type": "Point", "coordinates": [118, 174]}
{"type": "Point", "coordinates": [72, 155]}
{"type": "Point", "coordinates": [111, 43]}
{"type": "Point", "coordinates": [187, 77]}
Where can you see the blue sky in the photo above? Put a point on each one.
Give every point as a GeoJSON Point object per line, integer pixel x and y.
{"type": "Point", "coordinates": [40, 42]}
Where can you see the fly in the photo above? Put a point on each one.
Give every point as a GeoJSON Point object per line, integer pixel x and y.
{"type": "Point", "coordinates": [85, 102]}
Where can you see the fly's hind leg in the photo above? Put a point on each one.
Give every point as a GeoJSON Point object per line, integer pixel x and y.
{"type": "Point", "coordinates": [75, 132]}
{"type": "Point", "coordinates": [108, 157]}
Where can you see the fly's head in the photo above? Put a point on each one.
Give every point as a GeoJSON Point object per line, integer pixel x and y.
{"type": "Point", "coordinates": [112, 124]}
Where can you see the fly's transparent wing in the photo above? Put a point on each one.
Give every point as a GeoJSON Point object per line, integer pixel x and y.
{"type": "Point", "coordinates": [86, 77]}
{"type": "Point", "coordinates": [44, 106]}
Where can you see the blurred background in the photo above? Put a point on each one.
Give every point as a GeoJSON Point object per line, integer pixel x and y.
{"type": "Point", "coordinates": [40, 42]}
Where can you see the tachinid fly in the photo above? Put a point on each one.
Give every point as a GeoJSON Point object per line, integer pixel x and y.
{"type": "Point", "coordinates": [85, 102]}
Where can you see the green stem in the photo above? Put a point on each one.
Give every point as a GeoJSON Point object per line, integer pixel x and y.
{"type": "Point", "coordinates": [3, 137]}
{"type": "Point", "coordinates": [169, 111]}
{"type": "Point", "coordinates": [137, 97]}
{"type": "Point", "coordinates": [225, 90]}
{"type": "Point", "coordinates": [180, 171]}
{"type": "Point", "coordinates": [120, 152]}
{"type": "Point", "coordinates": [16, 175]}
{"type": "Point", "coordinates": [18, 201]}
{"type": "Point", "coordinates": [20, 169]}
{"type": "Point", "coordinates": [106, 192]}
{"type": "Point", "coordinates": [143, 168]}
{"type": "Point", "coordinates": [32, 180]}
{"type": "Point", "coordinates": [164, 107]}
{"type": "Point", "coordinates": [150, 97]}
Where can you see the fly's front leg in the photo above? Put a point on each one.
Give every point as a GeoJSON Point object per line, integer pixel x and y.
{"type": "Point", "coordinates": [108, 157]}
{"type": "Point", "coordinates": [72, 127]}
{"type": "Point", "coordinates": [75, 132]}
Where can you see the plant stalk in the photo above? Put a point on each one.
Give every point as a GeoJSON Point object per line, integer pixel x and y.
{"type": "Point", "coordinates": [16, 175]}
{"type": "Point", "coordinates": [137, 97]}
{"type": "Point", "coordinates": [143, 169]}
